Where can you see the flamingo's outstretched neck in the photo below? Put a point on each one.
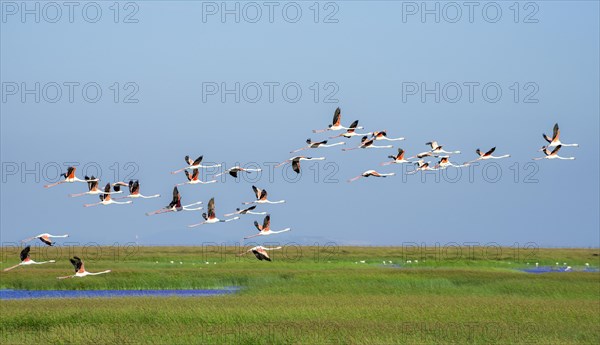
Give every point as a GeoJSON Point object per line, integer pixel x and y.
{"type": "Point", "coordinates": [149, 196]}
{"type": "Point", "coordinates": [97, 273]}
{"type": "Point", "coordinates": [53, 184]}
{"type": "Point", "coordinates": [10, 268]}
{"type": "Point", "coordinates": [334, 144]}
{"type": "Point", "coordinates": [230, 219]}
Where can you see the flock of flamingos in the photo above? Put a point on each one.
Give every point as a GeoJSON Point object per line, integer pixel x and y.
{"type": "Point", "coordinates": [550, 150]}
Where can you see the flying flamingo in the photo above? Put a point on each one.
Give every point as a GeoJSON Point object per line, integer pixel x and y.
{"type": "Point", "coordinates": [244, 211]}
{"type": "Point", "coordinates": [382, 135]}
{"type": "Point", "coordinates": [366, 143]}
{"type": "Point", "coordinates": [553, 154]}
{"type": "Point", "coordinates": [351, 132]}
{"type": "Point", "coordinates": [175, 205]}
{"type": "Point", "coordinates": [45, 237]}
{"type": "Point", "coordinates": [370, 173]}
{"type": "Point", "coordinates": [69, 177]}
{"type": "Point", "coordinates": [106, 199]}
{"type": "Point", "coordinates": [80, 270]}
{"type": "Point", "coordinates": [315, 145]}
{"type": "Point", "coordinates": [194, 164]}
{"type": "Point", "coordinates": [445, 163]}
{"type": "Point", "coordinates": [211, 217]}
{"type": "Point", "coordinates": [26, 260]}
{"type": "Point", "coordinates": [194, 178]}
{"type": "Point", "coordinates": [421, 166]}
{"type": "Point", "coordinates": [265, 229]}
{"type": "Point", "coordinates": [234, 171]}
{"type": "Point", "coordinates": [261, 197]}
{"type": "Point", "coordinates": [487, 155]}
{"type": "Point", "coordinates": [397, 159]}
{"type": "Point", "coordinates": [260, 252]}
{"type": "Point", "coordinates": [335, 126]}
{"type": "Point", "coordinates": [437, 149]}
{"type": "Point", "coordinates": [92, 188]}
{"type": "Point", "coordinates": [296, 162]}
{"type": "Point", "coordinates": [134, 190]}
{"type": "Point", "coordinates": [423, 155]}
{"type": "Point", "coordinates": [555, 140]}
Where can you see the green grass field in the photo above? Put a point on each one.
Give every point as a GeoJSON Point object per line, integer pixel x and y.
{"type": "Point", "coordinates": [309, 295]}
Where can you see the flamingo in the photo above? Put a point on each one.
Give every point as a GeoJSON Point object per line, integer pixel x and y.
{"type": "Point", "coordinates": [106, 199]}
{"type": "Point", "coordinates": [335, 125]}
{"type": "Point", "coordinates": [555, 140]}
{"type": "Point", "coordinates": [296, 162]}
{"type": "Point", "coordinates": [175, 205]}
{"type": "Point", "coordinates": [134, 190]}
{"type": "Point", "coordinates": [397, 159]}
{"type": "Point", "coordinates": [382, 135]}
{"type": "Point", "coordinates": [69, 177]}
{"type": "Point", "coordinates": [315, 145]}
{"type": "Point", "coordinates": [244, 211]}
{"type": "Point", "coordinates": [487, 155]}
{"type": "Point", "coordinates": [260, 252]}
{"type": "Point", "coordinates": [351, 132]}
{"type": "Point", "coordinates": [234, 171]}
{"type": "Point", "coordinates": [80, 271]}
{"type": "Point", "coordinates": [366, 143]}
{"type": "Point", "coordinates": [45, 237]}
{"type": "Point", "coordinates": [423, 155]}
{"type": "Point", "coordinates": [265, 229]}
{"type": "Point", "coordinates": [261, 197]}
{"type": "Point", "coordinates": [421, 166]}
{"type": "Point", "coordinates": [445, 163]}
{"type": "Point", "coordinates": [92, 188]}
{"type": "Point", "coordinates": [370, 173]}
{"type": "Point", "coordinates": [437, 149]}
{"type": "Point", "coordinates": [26, 260]}
{"type": "Point", "coordinates": [194, 164]}
{"type": "Point", "coordinates": [553, 154]}
{"type": "Point", "coordinates": [194, 178]}
{"type": "Point", "coordinates": [211, 218]}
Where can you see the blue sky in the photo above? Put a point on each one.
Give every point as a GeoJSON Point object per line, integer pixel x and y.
{"type": "Point", "coordinates": [176, 50]}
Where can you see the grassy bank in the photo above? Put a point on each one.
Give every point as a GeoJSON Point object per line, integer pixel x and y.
{"type": "Point", "coordinates": [311, 295]}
